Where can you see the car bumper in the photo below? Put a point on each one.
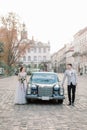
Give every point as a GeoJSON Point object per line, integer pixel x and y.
{"type": "Point", "coordinates": [45, 98]}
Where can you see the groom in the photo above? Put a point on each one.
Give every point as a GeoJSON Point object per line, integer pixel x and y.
{"type": "Point", "coordinates": [70, 73]}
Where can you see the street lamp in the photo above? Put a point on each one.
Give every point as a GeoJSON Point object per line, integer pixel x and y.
{"type": "Point", "coordinates": [55, 70]}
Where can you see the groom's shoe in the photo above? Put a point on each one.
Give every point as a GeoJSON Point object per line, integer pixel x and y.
{"type": "Point", "coordinates": [69, 103]}
{"type": "Point", "coordinates": [73, 104]}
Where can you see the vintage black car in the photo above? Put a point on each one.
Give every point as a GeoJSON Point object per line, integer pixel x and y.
{"type": "Point", "coordinates": [45, 86]}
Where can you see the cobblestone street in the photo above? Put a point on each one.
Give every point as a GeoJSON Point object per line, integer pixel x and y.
{"type": "Point", "coordinates": [42, 115]}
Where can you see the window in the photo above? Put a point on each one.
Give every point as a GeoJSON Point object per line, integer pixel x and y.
{"type": "Point", "coordinates": [34, 50]}
{"type": "Point", "coordinates": [39, 58]}
{"type": "Point", "coordinates": [24, 58]}
{"type": "Point", "coordinates": [28, 50]}
{"type": "Point", "coordinates": [39, 50]}
{"type": "Point", "coordinates": [48, 49]}
{"type": "Point", "coordinates": [35, 58]}
{"type": "Point", "coordinates": [44, 58]}
{"type": "Point", "coordinates": [29, 58]}
{"type": "Point", "coordinates": [44, 50]}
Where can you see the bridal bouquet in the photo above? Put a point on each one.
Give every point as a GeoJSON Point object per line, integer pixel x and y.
{"type": "Point", "coordinates": [22, 79]}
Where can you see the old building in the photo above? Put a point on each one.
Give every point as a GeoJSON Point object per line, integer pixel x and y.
{"type": "Point", "coordinates": [37, 54]}
{"type": "Point", "coordinates": [75, 53]}
{"type": "Point", "coordinates": [69, 53]}
{"type": "Point", "coordinates": [62, 57]}
{"type": "Point", "coordinates": [54, 62]}
{"type": "Point", "coordinates": [80, 51]}
{"type": "Point", "coordinates": [59, 60]}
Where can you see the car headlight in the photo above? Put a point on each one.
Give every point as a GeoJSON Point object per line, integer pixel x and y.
{"type": "Point", "coordinates": [34, 89]}
{"type": "Point", "coordinates": [56, 87]}
{"type": "Point", "coordinates": [61, 91]}
{"type": "Point", "coordinates": [34, 86]}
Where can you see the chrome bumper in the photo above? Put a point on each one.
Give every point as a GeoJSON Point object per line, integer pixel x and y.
{"type": "Point", "coordinates": [45, 97]}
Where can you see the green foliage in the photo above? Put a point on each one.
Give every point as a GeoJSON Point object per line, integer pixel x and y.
{"type": "Point", "coordinates": [8, 70]}
{"type": "Point", "coordinates": [11, 70]}
{"type": "Point", "coordinates": [3, 65]}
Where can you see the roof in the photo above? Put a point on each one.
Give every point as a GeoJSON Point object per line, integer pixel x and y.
{"type": "Point", "coordinates": [80, 32]}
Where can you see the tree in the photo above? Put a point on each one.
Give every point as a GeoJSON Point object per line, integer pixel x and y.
{"type": "Point", "coordinates": [1, 47]}
{"type": "Point", "coordinates": [10, 35]}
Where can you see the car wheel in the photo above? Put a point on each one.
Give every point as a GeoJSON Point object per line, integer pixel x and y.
{"type": "Point", "coordinates": [28, 100]}
{"type": "Point", "coordinates": [60, 101]}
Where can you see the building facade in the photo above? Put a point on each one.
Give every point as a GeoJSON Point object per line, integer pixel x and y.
{"type": "Point", "coordinates": [62, 57]}
{"type": "Point", "coordinates": [69, 54]}
{"type": "Point", "coordinates": [74, 53]}
{"type": "Point", "coordinates": [54, 61]}
{"type": "Point", "coordinates": [37, 54]}
{"type": "Point", "coordinates": [59, 60]}
{"type": "Point", "coordinates": [80, 51]}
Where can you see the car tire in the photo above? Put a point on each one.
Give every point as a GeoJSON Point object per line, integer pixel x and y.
{"type": "Point", "coordinates": [60, 101]}
{"type": "Point", "coordinates": [28, 100]}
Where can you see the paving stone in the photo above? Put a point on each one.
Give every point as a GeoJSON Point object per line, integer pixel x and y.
{"type": "Point", "coordinates": [42, 116]}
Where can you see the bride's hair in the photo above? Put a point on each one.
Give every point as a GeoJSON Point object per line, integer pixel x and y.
{"type": "Point", "coordinates": [21, 69]}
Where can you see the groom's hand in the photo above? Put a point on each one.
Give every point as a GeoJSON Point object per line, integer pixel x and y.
{"type": "Point", "coordinates": [62, 85]}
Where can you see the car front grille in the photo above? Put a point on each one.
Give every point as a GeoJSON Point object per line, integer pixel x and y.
{"type": "Point", "coordinates": [45, 91]}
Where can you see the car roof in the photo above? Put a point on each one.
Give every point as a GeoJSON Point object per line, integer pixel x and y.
{"type": "Point", "coordinates": [44, 73]}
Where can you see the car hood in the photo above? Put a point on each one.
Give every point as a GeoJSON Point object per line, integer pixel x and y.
{"type": "Point", "coordinates": [43, 85]}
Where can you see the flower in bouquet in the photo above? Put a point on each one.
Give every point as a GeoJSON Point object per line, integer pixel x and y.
{"type": "Point", "coordinates": [22, 79]}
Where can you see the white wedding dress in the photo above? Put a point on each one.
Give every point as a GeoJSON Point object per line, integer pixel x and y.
{"type": "Point", "coordinates": [21, 89]}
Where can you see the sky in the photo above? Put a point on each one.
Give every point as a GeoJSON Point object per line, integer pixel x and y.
{"type": "Point", "coordinates": [49, 20]}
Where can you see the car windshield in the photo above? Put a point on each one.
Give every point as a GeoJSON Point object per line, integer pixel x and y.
{"type": "Point", "coordinates": [44, 78]}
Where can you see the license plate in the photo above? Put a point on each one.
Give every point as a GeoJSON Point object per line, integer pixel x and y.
{"type": "Point", "coordinates": [45, 98]}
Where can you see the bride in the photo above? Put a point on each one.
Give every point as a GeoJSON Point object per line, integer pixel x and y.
{"type": "Point", "coordinates": [21, 88]}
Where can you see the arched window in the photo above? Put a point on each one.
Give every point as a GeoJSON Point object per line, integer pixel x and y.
{"type": "Point", "coordinates": [29, 58]}
{"type": "Point", "coordinates": [24, 58]}
{"type": "Point", "coordinates": [44, 58]}
{"type": "Point", "coordinates": [35, 58]}
{"type": "Point", "coordinates": [44, 50]}
{"type": "Point", "coordinates": [39, 58]}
